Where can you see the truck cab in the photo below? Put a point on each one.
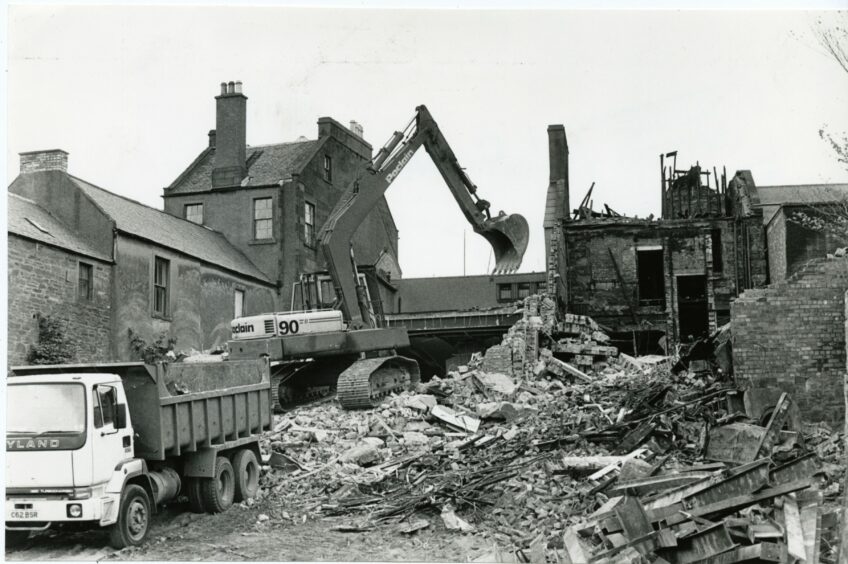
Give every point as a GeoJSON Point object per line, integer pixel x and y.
{"type": "Point", "coordinates": [69, 449]}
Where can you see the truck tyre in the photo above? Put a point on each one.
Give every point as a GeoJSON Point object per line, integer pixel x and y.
{"type": "Point", "coordinates": [246, 468]}
{"type": "Point", "coordinates": [15, 539]}
{"type": "Point", "coordinates": [133, 518]}
{"type": "Point", "coordinates": [217, 492]}
{"type": "Point", "coordinates": [195, 499]}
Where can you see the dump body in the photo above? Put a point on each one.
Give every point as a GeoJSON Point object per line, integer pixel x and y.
{"type": "Point", "coordinates": [178, 409]}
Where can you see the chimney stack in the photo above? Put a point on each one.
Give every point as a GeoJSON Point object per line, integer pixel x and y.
{"type": "Point", "coordinates": [231, 125]}
{"type": "Point", "coordinates": [357, 129]}
{"type": "Point", "coordinates": [38, 161]}
{"type": "Point", "coordinates": [558, 157]}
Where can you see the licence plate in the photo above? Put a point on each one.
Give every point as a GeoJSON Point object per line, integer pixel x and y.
{"type": "Point", "coordinates": [24, 514]}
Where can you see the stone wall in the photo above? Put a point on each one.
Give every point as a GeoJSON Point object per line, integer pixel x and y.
{"type": "Point", "coordinates": [790, 337]}
{"type": "Point", "coordinates": [43, 281]}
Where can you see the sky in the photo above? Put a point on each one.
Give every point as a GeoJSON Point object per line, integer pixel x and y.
{"type": "Point", "coordinates": [129, 92]}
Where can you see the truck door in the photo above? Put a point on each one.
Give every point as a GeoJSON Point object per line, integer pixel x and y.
{"type": "Point", "coordinates": [110, 445]}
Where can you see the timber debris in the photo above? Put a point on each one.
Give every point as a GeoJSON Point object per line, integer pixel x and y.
{"type": "Point", "coordinates": [560, 449]}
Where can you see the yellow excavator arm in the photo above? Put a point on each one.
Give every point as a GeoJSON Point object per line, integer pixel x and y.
{"type": "Point", "coordinates": [507, 234]}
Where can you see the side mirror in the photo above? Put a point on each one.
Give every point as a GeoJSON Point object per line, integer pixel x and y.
{"type": "Point", "coordinates": [121, 416]}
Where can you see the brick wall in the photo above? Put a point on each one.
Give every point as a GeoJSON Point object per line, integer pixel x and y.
{"type": "Point", "coordinates": [791, 337]}
{"type": "Point", "coordinates": [43, 280]}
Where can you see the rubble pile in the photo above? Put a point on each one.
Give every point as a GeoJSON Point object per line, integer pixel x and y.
{"type": "Point", "coordinates": [623, 460]}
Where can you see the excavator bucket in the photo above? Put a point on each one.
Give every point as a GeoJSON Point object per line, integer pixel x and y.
{"type": "Point", "coordinates": [508, 235]}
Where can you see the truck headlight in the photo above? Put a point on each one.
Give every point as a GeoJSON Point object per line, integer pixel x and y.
{"type": "Point", "coordinates": [74, 510]}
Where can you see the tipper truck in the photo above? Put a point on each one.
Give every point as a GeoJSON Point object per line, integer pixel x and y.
{"type": "Point", "coordinates": [105, 444]}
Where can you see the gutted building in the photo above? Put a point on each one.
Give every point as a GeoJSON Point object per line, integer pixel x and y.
{"type": "Point", "coordinates": [104, 265]}
{"type": "Point", "coordinates": [650, 281]}
{"type": "Point", "coordinates": [270, 201]}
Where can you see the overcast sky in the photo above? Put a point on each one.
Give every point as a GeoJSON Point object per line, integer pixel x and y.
{"type": "Point", "coordinates": [129, 93]}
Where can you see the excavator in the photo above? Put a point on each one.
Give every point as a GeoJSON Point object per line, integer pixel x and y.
{"type": "Point", "coordinates": [346, 346]}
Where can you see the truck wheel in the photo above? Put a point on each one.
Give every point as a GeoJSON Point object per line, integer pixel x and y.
{"type": "Point", "coordinates": [195, 499]}
{"type": "Point", "coordinates": [133, 518]}
{"type": "Point", "coordinates": [15, 539]}
{"type": "Point", "coordinates": [217, 492]}
{"type": "Point", "coordinates": [246, 468]}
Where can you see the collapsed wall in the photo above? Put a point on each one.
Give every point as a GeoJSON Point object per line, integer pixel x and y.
{"type": "Point", "coordinates": [790, 337]}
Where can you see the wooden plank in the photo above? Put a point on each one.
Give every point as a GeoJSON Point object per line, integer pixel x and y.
{"type": "Point", "coordinates": [734, 503]}
{"type": "Point", "coordinates": [752, 478]}
{"type": "Point", "coordinates": [675, 496]}
{"type": "Point", "coordinates": [643, 544]}
{"type": "Point", "coordinates": [792, 525]}
{"type": "Point", "coordinates": [615, 465]}
{"type": "Point", "coordinates": [762, 552]}
{"type": "Point", "coordinates": [573, 552]}
{"type": "Point", "coordinates": [775, 424]}
{"type": "Point", "coordinates": [811, 523]}
{"type": "Point", "coordinates": [633, 518]}
{"type": "Point", "coordinates": [707, 542]}
{"type": "Point", "coordinates": [797, 469]}
{"type": "Point", "coordinates": [643, 486]}
{"type": "Point", "coordinates": [635, 437]}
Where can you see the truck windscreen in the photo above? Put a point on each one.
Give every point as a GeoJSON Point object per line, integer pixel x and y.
{"type": "Point", "coordinates": [45, 409]}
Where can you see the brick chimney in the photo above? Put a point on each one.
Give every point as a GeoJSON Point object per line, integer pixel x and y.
{"type": "Point", "coordinates": [37, 161]}
{"type": "Point", "coordinates": [230, 137]}
{"type": "Point", "coordinates": [558, 157]}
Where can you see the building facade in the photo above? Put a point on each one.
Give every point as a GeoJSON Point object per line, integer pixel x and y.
{"type": "Point", "coordinates": [271, 201]}
{"type": "Point", "coordinates": [106, 265]}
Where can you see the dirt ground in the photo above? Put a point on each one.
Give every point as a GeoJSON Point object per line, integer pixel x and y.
{"type": "Point", "coordinates": [238, 535]}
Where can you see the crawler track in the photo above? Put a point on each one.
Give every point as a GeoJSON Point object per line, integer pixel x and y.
{"type": "Point", "coordinates": [366, 382]}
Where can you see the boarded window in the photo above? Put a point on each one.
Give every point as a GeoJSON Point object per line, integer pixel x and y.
{"type": "Point", "coordinates": [649, 264]}
{"type": "Point", "coordinates": [718, 261]}
{"type": "Point", "coordinates": [194, 213]}
{"type": "Point", "coordinates": [238, 303]}
{"type": "Point", "coordinates": [161, 277]}
{"type": "Point", "coordinates": [504, 292]}
{"type": "Point", "coordinates": [309, 224]}
{"type": "Point", "coordinates": [85, 283]}
{"type": "Point", "coordinates": [328, 168]}
{"type": "Point", "coordinates": [263, 219]}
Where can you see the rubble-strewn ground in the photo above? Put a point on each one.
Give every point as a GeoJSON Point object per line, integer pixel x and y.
{"type": "Point", "coordinates": [526, 454]}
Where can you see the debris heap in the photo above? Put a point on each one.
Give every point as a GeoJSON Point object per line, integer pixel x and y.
{"type": "Point", "coordinates": [560, 449]}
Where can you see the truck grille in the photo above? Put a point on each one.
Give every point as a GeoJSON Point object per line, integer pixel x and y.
{"type": "Point", "coordinates": [269, 325]}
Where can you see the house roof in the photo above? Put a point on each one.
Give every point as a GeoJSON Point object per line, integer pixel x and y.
{"type": "Point", "coordinates": [198, 241]}
{"type": "Point", "coordinates": [266, 165]}
{"type": "Point", "coordinates": [28, 219]}
{"type": "Point", "coordinates": [772, 197]}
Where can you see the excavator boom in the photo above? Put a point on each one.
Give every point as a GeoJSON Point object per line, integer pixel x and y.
{"type": "Point", "coordinates": [507, 234]}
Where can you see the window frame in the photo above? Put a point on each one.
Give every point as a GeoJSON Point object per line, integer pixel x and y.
{"type": "Point", "coordinates": [505, 286]}
{"type": "Point", "coordinates": [658, 300]}
{"type": "Point", "coordinates": [328, 168]}
{"type": "Point", "coordinates": [89, 268]}
{"type": "Point", "coordinates": [107, 416]}
{"type": "Point", "coordinates": [161, 285]}
{"type": "Point", "coordinates": [308, 227]}
{"type": "Point", "coordinates": [193, 205]}
{"type": "Point", "coordinates": [236, 293]}
{"type": "Point", "coordinates": [716, 247]}
{"type": "Point", "coordinates": [269, 219]}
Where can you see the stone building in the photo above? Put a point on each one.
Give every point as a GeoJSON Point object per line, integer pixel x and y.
{"type": "Point", "coordinates": [650, 281]}
{"type": "Point", "coordinates": [270, 201]}
{"type": "Point", "coordinates": [104, 264]}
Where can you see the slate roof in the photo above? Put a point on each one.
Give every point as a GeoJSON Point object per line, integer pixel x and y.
{"type": "Point", "coordinates": [28, 219]}
{"type": "Point", "coordinates": [172, 232]}
{"type": "Point", "coordinates": [266, 164]}
{"type": "Point", "coordinates": [772, 197]}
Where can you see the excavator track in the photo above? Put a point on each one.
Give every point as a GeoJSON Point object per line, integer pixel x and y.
{"type": "Point", "coordinates": [366, 382]}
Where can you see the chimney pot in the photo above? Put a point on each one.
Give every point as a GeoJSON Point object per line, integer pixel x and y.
{"type": "Point", "coordinates": [223, 88]}
{"type": "Point", "coordinates": [231, 87]}
{"type": "Point", "coordinates": [37, 161]}
{"type": "Point", "coordinates": [238, 87]}
{"type": "Point", "coordinates": [357, 129]}
{"type": "Point", "coordinates": [212, 138]}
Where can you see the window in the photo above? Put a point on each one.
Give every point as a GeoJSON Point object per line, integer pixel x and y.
{"type": "Point", "coordinates": [104, 399]}
{"type": "Point", "coordinates": [309, 224]}
{"type": "Point", "coordinates": [194, 213]}
{"type": "Point", "coordinates": [328, 168]}
{"type": "Point", "coordinates": [327, 293]}
{"type": "Point", "coordinates": [263, 214]}
{"type": "Point", "coordinates": [523, 290]}
{"type": "Point", "coordinates": [238, 304]}
{"type": "Point", "coordinates": [161, 275]}
{"type": "Point", "coordinates": [504, 292]}
{"type": "Point", "coordinates": [649, 269]}
{"type": "Point", "coordinates": [86, 281]}
{"type": "Point", "coordinates": [718, 263]}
